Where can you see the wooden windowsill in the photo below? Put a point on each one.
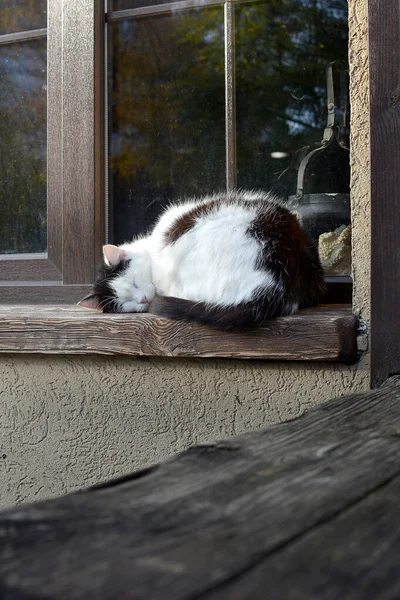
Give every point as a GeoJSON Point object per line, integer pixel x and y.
{"type": "Point", "coordinates": [324, 333]}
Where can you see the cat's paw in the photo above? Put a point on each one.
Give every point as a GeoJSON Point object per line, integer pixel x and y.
{"type": "Point", "coordinates": [134, 307]}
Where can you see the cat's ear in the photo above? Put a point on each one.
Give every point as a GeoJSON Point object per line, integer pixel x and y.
{"type": "Point", "coordinates": [91, 301]}
{"type": "Point", "coordinates": [113, 255]}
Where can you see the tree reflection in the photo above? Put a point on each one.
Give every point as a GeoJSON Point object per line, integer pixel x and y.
{"type": "Point", "coordinates": [23, 206]}
{"type": "Point", "coordinates": [23, 203]}
{"type": "Point", "coordinates": [168, 113]}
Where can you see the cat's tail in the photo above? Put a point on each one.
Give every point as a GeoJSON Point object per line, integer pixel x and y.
{"type": "Point", "coordinates": [227, 318]}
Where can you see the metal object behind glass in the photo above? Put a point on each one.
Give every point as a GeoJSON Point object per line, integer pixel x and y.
{"type": "Point", "coordinates": [322, 198]}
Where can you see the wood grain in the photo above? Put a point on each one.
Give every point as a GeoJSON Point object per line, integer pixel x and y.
{"type": "Point", "coordinates": [79, 145]}
{"type": "Point", "coordinates": [34, 269]}
{"type": "Point", "coordinates": [384, 48]}
{"type": "Point", "coordinates": [325, 333]}
{"type": "Point", "coordinates": [55, 133]}
{"type": "Point", "coordinates": [99, 117]}
{"type": "Point", "coordinates": [40, 294]}
{"type": "Point", "coordinates": [303, 510]}
{"type": "Point", "coordinates": [354, 556]}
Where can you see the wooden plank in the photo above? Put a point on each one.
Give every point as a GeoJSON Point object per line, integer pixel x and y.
{"type": "Point", "coordinates": [55, 133]}
{"type": "Point", "coordinates": [28, 292]}
{"type": "Point", "coordinates": [34, 269]}
{"type": "Point", "coordinates": [201, 521]}
{"type": "Point", "coordinates": [384, 48]}
{"type": "Point", "coordinates": [100, 158]}
{"type": "Point", "coordinates": [79, 143]}
{"type": "Point", "coordinates": [353, 557]}
{"type": "Point", "coordinates": [326, 333]}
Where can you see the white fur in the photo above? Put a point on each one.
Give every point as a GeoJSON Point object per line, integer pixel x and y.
{"type": "Point", "coordinates": [214, 262]}
{"type": "Point", "coordinates": [135, 284]}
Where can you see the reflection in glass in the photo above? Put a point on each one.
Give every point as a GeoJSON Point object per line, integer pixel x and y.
{"type": "Point", "coordinates": [22, 15]}
{"type": "Point", "coordinates": [288, 55]}
{"type": "Point", "coordinates": [168, 132]}
{"type": "Point", "coordinates": [23, 147]}
{"type": "Point", "coordinates": [282, 52]}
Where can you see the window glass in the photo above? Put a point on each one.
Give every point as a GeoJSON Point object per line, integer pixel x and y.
{"type": "Point", "coordinates": [282, 52]}
{"type": "Point", "coordinates": [291, 64]}
{"type": "Point", "coordinates": [167, 114]}
{"type": "Point", "coordinates": [23, 208]}
{"type": "Point", "coordinates": [22, 15]}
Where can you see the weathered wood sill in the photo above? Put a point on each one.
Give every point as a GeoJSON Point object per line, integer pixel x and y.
{"type": "Point", "coordinates": [325, 333]}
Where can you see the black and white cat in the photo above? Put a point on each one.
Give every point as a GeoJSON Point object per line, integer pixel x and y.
{"type": "Point", "coordinates": [229, 260]}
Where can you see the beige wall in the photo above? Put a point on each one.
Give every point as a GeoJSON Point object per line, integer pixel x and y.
{"type": "Point", "coordinates": [359, 155]}
{"type": "Point", "coordinates": [69, 422]}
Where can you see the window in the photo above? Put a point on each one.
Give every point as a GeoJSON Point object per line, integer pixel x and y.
{"type": "Point", "coordinates": [49, 256]}
{"type": "Point", "coordinates": [198, 98]}
{"type": "Point", "coordinates": [55, 260]}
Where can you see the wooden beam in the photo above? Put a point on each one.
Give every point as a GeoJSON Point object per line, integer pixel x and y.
{"type": "Point", "coordinates": [384, 47]}
{"type": "Point", "coordinates": [325, 333]}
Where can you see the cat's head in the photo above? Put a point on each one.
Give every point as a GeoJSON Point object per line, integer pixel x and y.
{"type": "Point", "coordinates": [123, 282]}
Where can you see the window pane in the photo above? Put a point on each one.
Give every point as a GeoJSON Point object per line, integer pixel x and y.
{"type": "Point", "coordinates": [22, 15]}
{"type": "Point", "coordinates": [23, 147]}
{"type": "Point", "coordinates": [282, 52]}
{"type": "Point", "coordinates": [168, 131]}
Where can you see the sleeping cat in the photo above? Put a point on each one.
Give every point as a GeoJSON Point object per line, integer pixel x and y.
{"type": "Point", "coordinates": [229, 260]}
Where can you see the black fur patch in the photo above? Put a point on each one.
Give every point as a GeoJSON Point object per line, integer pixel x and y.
{"type": "Point", "coordinates": [101, 288]}
{"type": "Point", "coordinates": [185, 222]}
{"type": "Point", "coordinates": [289, 254]}
{"type": "Point", "coordinates": [226, 318]}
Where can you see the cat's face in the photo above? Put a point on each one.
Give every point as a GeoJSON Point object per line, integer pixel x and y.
{"type": "Point", "coordinates": [123, 283]}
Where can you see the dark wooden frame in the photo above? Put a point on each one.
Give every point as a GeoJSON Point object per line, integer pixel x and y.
{"type": "Point", "coordinates": [75, 160]}
{"type": "Point", "coordinates": [384, 69]}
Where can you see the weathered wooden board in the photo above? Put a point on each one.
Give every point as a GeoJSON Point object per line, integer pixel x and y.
{"type": "Point", "coordinates": [303, 510]}
{"type": "Point", "coordinates": [384, 104]}
{"type": "Point", "coordinates": [354, 556]}
{"type": "Point", "coordinates": [325, 333]}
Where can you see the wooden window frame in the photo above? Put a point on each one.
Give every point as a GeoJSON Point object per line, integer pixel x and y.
{"type": "Point", "coordinates": [384, 69]}
{"type": "Point", "coordinates": [76, 136]}
{"type": "Point", "coordinates": [75, 159]}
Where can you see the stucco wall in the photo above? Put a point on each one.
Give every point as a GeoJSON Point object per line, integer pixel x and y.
{"type": "Point", "coordinates": [359, 155]}
{"type": "Point", "coordinates": [69, 422]}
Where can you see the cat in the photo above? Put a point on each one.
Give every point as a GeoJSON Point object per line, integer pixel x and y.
{"type": "Point", "coordinates": [229, 260]}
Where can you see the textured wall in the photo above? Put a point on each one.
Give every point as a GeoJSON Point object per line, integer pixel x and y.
{"type": "Point", "coordinates": [359, 155]}
{"type": "Point", "coordinates": [69, 422]}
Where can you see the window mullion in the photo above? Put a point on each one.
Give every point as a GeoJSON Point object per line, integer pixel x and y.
{"type": "Point", "coordinates": [230, 96]}
{"type": "Point", "coordinates": [83, 137]}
